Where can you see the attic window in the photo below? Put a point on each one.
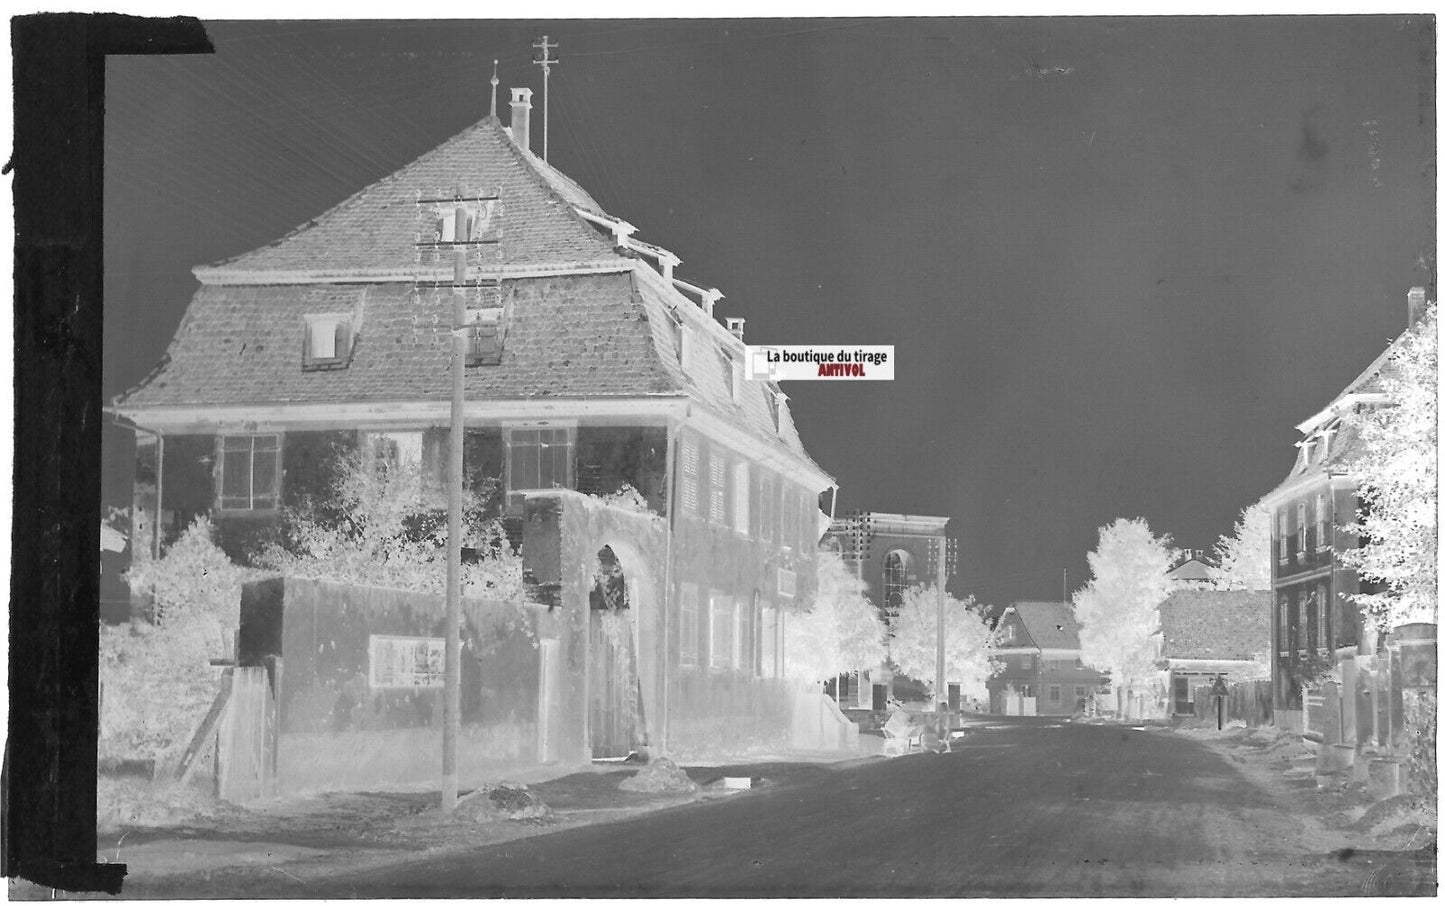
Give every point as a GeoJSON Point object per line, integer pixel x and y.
{"type": "Point", "coordinates": [476, 219]}
{"type": "Point", "coordinates": [775, 406]}
{"type": "Point", "coordinates": [682, 339]}
{"type": "Point", "coordinates": [328, 342]}
{"type": "Point", "coordinates": [733, 374]}
{"type": "Point", "coordinates": [484, 342]}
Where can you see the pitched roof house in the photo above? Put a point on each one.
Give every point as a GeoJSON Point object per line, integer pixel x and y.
{"type": "Point", "coordinates": [1038, 643]}
{"type": "Point", "coordinates": [591, 366]}
{"type": "Point", "coordinates": [1315, 621]}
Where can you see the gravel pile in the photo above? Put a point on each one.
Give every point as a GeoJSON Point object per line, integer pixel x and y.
{"type": "Point", "coordinates": [660, 775]}
{"type": "Point", "coordinates": [507, 800]}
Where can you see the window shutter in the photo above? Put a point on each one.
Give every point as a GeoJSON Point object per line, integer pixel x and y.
{"type": "Point", "coordinates": [689, 476]}
{"type": "Point", "coordinates": [343, 340]}
{"type": "Point", "coordinates": [717, 489]}
{"type": "Point", "coordinates": [740, 497]}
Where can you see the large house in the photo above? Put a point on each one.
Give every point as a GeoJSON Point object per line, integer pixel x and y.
{"type": "Point", "coordinates": [591, 366]}
{"type": "Point", "coordinates": [1038, 643]}
{"type": "Point", "coordinates": [1334, 677]}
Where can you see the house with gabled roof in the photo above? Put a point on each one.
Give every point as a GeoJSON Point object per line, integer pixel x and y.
{"type": "Point", "coordinates": [1208, 633]}
{"type": "Point", "coordinates": [1038, 643]}
{"type": "Point", "coordinates": [591, 367]}
{"type": "Point", "coordinates": [1335, 678]}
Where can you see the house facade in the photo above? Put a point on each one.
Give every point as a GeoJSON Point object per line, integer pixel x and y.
{"type": "Point", "coordinates": [1043, 674]}
{"type": "Point", "coordinates": [892, 552]}
{"type": "Point", "coordinates": [591, 367]}
{"type": "Point", "coordinates": [1334, 677]}
{"type": "Point", "coordinates": [1208, 634]}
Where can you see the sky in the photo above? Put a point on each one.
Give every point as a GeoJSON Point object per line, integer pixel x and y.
{"type": "Point", "coordinates": [1119, 258]}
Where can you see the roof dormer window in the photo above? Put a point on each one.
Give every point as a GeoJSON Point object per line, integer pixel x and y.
{"type": "Point", "coordinates": [328, 343]}
{"type": "Point", "coordinates": [733, 374]}
{"type": "Point", "coordinates": [474, 219]}
{"type": "Point", "coordinates": [486, 335]}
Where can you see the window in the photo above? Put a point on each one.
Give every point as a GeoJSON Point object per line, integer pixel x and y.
{"type": "Point", "coordinates": [790, 517]}
{"type": "Point", "coordinates": [1321, 520]}
{"type": "Point", "coordinates": [740, 497]}
{"type": "Point", "coordinates": [1322, 604]}
{"type": "Point", "coordinates": [476, 219]}
{"type": "Point", "coordinates": [743, 638]}
{"type": "Point", "coordinates": [484, 341]}
{"type": "Point", "coordinates": [895, 579]}
{"type": "Point", "coordinates": [328, 342]}
{"type": "Point", "coordinates": [1009, 634]}
{"type": "Point", "coordinates": [687, 627]}
{"type": "Point", "coordinates": [775, 405]}
{"type": "Point", "coordinates": [391, 450]}
{"type": "Point", "coordinates": [1026, 662]}
{"type": "Point", "coordinates": [1081, 694]}
{"type": "Point", "coordinates": [405, 662]}
{"type": "Point", "coordinates": [768, 649]}
{"type": "Point", "coordinates": [1281, 534]}
{"type": "Point", "coordinates": [250, 473]}
{"type": "Point", "coordinates": [735, 378]}
{"type": "Point", "coordinates": [1055, 695]}
{"type": "Point", "coordinates": [689, 476]}
{"type": "Point", "coordinates": [1299, 514]}
{"type": "Point", "coordinates": [537, 458]}
{"type": "Point", "coordinates": [718, 488]}
{"type": "Point", "coordinates": [766, 506]}
{"type": "Point", "coordinates": [720, 642]}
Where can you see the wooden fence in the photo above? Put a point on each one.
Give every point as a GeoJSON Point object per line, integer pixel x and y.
{"type": "Point", "coordinates": [1251, 702]}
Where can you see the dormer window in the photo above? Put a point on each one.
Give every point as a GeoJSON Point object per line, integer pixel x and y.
{"type": "Point", "coordinates": [328, 342]}
{"type": "Point", "coordinates": [682, 339]}
{"type": "Point", "coordinates": [733, 374]}
{"type": "Point", "coordinates": [484, 340]}
{"type": "Point", "coordinates": [475, 220]}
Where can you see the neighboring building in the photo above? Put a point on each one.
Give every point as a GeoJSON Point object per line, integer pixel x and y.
{"type": "Point", "coordinates": [891, 551]}
{"type": "Point", "coordinates": [1038, 642]}
{"type": "Point", "coordinates": [590, 367]}
{"type": "Point", "coordinates": [1206, 633]}
{"type": "Point", "coordinates": [1191, 568]}
{"type": "Point", "coordinates": [1325, 657]}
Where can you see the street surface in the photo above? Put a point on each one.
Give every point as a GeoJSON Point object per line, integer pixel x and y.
{"type": "Point", "coordinates": [1029, 807]}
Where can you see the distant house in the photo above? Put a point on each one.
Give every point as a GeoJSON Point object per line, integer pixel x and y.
{"type": "Point", "coordinates": [891, 551]}
{"type": "Point", "coordinates": [1206, 633]}
{"type": "Point", "coordinates": [590, 366]}
{"type": "Point", "coordinates": [1192, 568]}
{"type": "Point", "coordinates": [1038, 642]}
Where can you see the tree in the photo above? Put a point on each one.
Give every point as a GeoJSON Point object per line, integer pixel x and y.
{"type": "Point", "coordinates": [968, 642]}
{"type": "Point", "coordinates": [385, 523]}
{"type": "Point", "coordinates": [1396, 474]}
{"type": "Point", "coordinates": [1118, 610]}
{"type": "Point", "coordinates": [842, 631]}
{"type": "Point", "coordinates": [156, 673]}
{"type": "Point", "coordinates": [1244, 556]}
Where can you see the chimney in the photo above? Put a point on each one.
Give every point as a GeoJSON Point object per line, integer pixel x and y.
{"type": "Point", "coordinates": [735, 326]}
{"type": "Point", "coordinates": [1415, 300]}
{"type": "Point", "coordinates": [522, 117]}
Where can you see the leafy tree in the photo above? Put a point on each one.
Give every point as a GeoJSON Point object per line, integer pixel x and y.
{"type": "Point", "coordinates": [156, 674]}
{"type": "Point", "coordinates": [1118, 610]}
{"type": "Point", "coordinates": [1396, 471]}
{"type": "Point", "coordinates": [1244, 556]}
{"type": "Point", "coordinates": [385, 524]}
{"type": "Point", "coordinates": [968, 642]}
{"type": "Point", "coordinates": [842, 631]}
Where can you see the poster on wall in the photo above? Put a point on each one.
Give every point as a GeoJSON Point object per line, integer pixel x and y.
{"type": "Point", "coordinates": [406, 662]}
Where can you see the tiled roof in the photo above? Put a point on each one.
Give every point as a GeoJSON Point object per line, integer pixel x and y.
{"type": "Point", "coordinates": [569, 335]}
{"type": "Point", "coordinates": [375, 230]}
{"type": "Point", "coordinates": [1210, 624]}
{"type": "Point", "coordinates": [1050, 624]}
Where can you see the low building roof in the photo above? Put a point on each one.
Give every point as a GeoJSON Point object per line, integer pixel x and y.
{"type": "Point", "coordinates": [1213, 624]}
{"type": "Point", "coordinates": [1050, 624]}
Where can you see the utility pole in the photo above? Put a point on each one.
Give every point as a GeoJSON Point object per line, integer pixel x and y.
{"type": "Point", "coordinates": [545, 60]}
{"type": "Point", "coordinates": [451, 695]}
{"type": "Point", "coordinates": [940, 693]}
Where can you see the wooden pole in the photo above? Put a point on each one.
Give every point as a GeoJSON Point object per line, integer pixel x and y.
{"type": "Point", "coordinates": [940, 691]}
{"type": "Point", "coordinates": [451, 694]}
